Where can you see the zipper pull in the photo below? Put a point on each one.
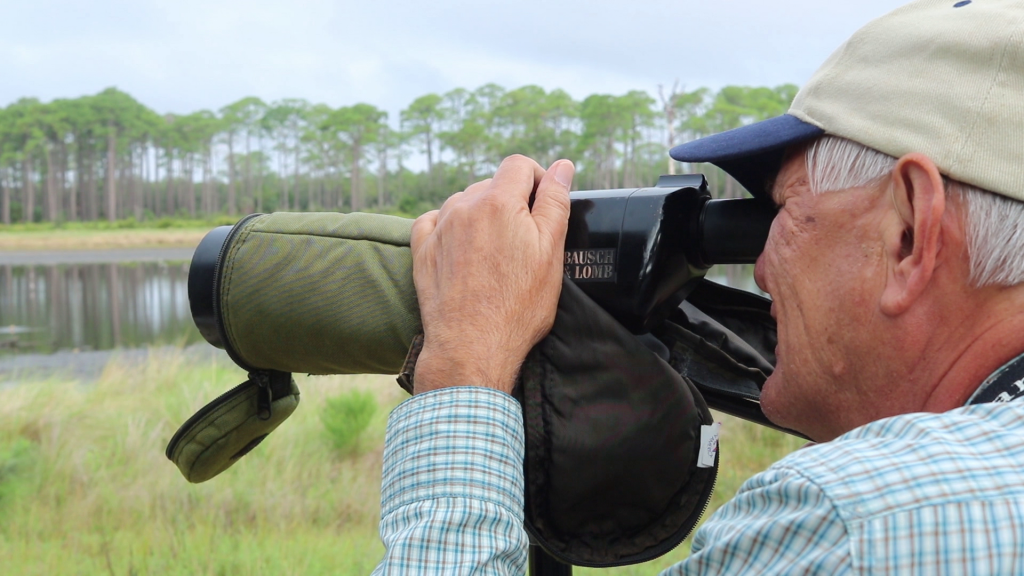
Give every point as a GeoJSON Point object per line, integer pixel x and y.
{"type": "Point", "coordinates": [264, 396]}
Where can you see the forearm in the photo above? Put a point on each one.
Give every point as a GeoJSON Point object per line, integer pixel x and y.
{"type": "Point", "coordinates": [452, 489]}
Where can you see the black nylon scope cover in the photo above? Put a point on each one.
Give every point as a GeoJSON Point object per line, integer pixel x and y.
{"type": "Point", "coordinates": [612, 439]}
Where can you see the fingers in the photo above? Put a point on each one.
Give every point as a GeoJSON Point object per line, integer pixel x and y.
{"type": "Point", "coordinates": [477, 188]}
{"type": "Point", "coordinates": [551, 205]}
{"type": "Point", "coordinates": [517, 176]}
{"type": "Point", "coordinates": [422, 228]}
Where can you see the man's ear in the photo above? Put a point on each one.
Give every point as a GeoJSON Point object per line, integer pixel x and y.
{"type": "Point", "coordinates": [914, 241]}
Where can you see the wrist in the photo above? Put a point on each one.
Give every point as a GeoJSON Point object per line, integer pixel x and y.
{"type": "Point", "coordinates": [439, 368]}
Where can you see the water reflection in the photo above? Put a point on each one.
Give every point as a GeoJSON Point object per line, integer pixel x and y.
{"type": "Point", "coordinates": [94, 306]}
{"type": "Point", "coordinates": [47, 308]}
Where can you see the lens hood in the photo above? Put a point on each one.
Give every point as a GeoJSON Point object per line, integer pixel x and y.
{"type": "Point", "coordinates": [202, 276]}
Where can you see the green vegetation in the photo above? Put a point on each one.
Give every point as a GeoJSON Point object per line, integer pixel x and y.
{"type": "Point", "coordinates": [85, 487]}
{"type": "Point", "coordinates": [109, 157]}
{"type": "Point", "coordinates": [129, 223]}
{"type": "Point", "coordinates": [346, 417]}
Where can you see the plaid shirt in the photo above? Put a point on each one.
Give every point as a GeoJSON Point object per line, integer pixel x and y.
{"type": "Point", "coordinates": [913, 494]}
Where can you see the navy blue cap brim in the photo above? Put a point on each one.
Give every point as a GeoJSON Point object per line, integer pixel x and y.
{"type": "Point", "coordinates": [751, 154]}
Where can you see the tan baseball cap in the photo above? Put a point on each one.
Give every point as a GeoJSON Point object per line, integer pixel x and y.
{"type": "Point", "coordinates": [940, 77]}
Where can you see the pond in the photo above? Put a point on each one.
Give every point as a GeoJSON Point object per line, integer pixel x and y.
{"type": "Point", "coordinates": [94, 306]}
{"type": "Point", "coordinates": [83, 302]}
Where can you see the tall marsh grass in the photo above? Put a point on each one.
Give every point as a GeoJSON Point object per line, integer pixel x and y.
{"type": "Point", "coordinates": [85, 487]}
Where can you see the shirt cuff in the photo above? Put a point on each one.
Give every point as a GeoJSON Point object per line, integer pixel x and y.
{"type": "Point", "coordinates": [458, 442]}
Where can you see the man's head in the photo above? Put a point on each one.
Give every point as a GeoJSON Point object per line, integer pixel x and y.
{"type": "Point", "coordinates": [890, 265]}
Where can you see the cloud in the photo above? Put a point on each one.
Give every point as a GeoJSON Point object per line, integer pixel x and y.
{"type": "Point", "coordinates": [184, 55]}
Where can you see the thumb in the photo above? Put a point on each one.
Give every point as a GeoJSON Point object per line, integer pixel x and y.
{"type": "Point", "coordinates": [422, 228]}
{"type": "Point", "coordinates": [551, 203]}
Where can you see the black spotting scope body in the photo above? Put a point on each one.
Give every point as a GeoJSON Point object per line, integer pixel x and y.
{"type": "Point", "coordinates": [639, 252]}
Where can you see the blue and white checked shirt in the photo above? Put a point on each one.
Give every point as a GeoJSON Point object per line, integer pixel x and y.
{"type": "Point", "coordinates": [913, 494]}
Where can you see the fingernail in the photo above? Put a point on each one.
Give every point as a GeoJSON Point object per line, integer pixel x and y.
{"type": "Point", "coordinates": [564, 173]}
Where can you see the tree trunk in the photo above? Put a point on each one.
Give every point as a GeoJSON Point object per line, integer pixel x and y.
{"type": "Point", "coordinates": [382, 172]}
{"type": "Point", "coordinates": [51, 185]}
{"type": "Point", "coordinates": [72, 181]}
{"type": "Point", "coordinates": [338, 197]}
{"type": "Point", "coordinates": [231, 174]}
{"type": "Point", "coordinates": [259, 192]}
{"type": "Point", "coordinates": [190, 187]}
{"type": "Point", "coordinates": [93, 207]}
{"type": "Point", "coordinates": [152, 198]}
{"type": "Point", "coordinates": [668, 106]}
{"type": "Point", "coordinates": [207, 183]}
{"type": "Point", "coordinates": [5, 200]}
{"type": "Point", "coordinates": [248, 167]}
{"type": "Point", "coordinates": [62, 179]}
{"type": "Point", "coordinates": [171, 208]}
{"type": "Point", "coordinates": [430, 157]}
{"type": "Point", "coordinates": [144, 169]}
{"type": "Point", "coordinates": [283, 163]}
{"type": "Point", "coordinates": [111, 166]}
{"type": "Point", "coordinates": [137, 179]}
{"type": "Point", "coordinates": [29, 201]}
{"type": "Point", "coordinates": [298, 181]}
{"type": "Point", "coordinates": [78, 185]}
{"type": "Point", "coordinates": [356, 193]}
{"type": "Point", "coordinates": [260, 179]}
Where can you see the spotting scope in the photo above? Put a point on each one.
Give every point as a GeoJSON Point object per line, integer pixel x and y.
{"type": "Point", "coordinates": [330, 293]}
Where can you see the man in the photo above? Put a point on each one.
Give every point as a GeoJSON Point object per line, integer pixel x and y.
{"type": "Point", "coordinates": [896, 267]}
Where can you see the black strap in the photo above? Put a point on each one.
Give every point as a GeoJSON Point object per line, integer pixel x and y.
{"type": "Point", "coordinates": [1004, 385]}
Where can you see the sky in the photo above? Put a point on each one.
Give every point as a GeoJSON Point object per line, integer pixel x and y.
{"type": "Point", "coordinates": [185, 55]}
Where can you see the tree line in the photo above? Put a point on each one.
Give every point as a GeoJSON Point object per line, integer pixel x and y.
{"type": "Point", "coordinates": [107, 156]}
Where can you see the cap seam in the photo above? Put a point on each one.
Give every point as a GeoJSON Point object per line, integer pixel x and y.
{"type": "Point", "coordinates": [841, 55]}
{"type": "Point", "coordinates": [960, 160]}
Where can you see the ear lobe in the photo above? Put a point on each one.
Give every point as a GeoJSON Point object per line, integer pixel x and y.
{"type": "Point", "coordinates": [914, 244]}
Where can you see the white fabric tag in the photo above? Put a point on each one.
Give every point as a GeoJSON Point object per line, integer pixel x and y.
{"type": "Point", "coordinates": [708, 445]}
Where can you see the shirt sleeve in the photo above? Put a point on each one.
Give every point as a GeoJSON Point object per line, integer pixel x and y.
{"type": "Point", "coordinates": [452, 489]}
{"type": "Point", "coordinates": [780, 522]}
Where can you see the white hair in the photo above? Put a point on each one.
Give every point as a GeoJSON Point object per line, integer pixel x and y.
{"type": "Point", "coordinates": [994, 224]}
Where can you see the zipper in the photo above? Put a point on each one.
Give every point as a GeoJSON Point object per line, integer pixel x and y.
{"type": "Point", "coordinates": [203, 413]}
{"type": "Point", "coordinates": [267, 391]}
{"type": "Point", "coordinates": [705, 412]}
{"type": "Point", "coordinates": [264, 396]}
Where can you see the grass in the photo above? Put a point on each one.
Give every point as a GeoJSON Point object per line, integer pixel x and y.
{"type": "Point", "coordinates": [100, 239]}
{"type": "Point", "coordinates": [130, 223]}
{"type": "Point", "coordinates": [85, 488]}
{"type": "Point", "coordinates": [102, 235]}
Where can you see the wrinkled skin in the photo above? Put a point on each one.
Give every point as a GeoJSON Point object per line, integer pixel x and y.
{"type": "Point", "coordinates": [871, 292]}
{"type": "Point", "coordinates": [488, 272]}
{"type": "Point", "coordinates": [822, 264]}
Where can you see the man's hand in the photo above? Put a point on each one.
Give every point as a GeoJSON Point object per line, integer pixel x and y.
{"type": "Point", "coordinates": [488, 273]}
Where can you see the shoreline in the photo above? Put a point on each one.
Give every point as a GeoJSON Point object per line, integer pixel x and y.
{"type": "Point", "coordinates": [94, 256]}
{"type": "Point", "coordinates": [86, 240]}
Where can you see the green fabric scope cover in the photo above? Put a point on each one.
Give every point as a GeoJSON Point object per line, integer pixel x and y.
{"type": "Point", "coordinates": [232, 425]}
{"type": "Point", "coordinates": [320, 293]}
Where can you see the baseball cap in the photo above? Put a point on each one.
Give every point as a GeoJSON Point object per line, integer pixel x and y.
{"type": "Point", "coordinates": [941, 77]}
